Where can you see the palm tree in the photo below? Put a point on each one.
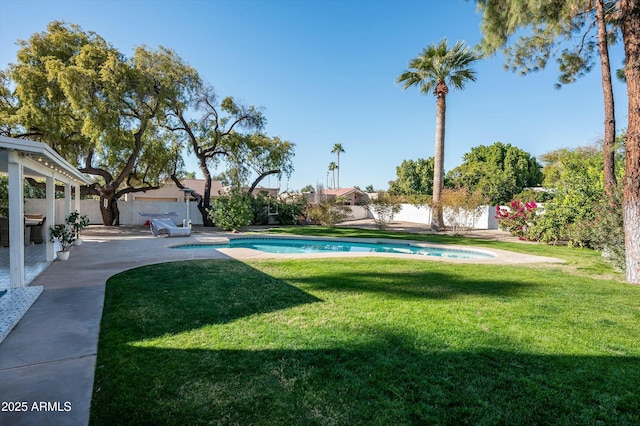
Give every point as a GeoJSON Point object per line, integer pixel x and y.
{"type": "Point", "coordinates": [337, 149]}
{"type": "Point", "coordinates": [332, 169]}
{"type": "Point", "coordinates": [434, 70]}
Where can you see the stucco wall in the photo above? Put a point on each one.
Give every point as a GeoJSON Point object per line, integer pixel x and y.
{"type": "Point", "coordinates": [484, 219]}
{"type": "Point", "coordinates": [130, 213]}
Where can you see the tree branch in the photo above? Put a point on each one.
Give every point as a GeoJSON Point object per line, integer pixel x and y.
{"type": "Point", "coordinates": [262, 176]}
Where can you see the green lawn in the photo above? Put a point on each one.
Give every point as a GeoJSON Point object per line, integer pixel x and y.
{"type": "Point", "coordinates": [370, 341]}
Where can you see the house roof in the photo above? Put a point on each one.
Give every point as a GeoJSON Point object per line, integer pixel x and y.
{"type": "Point", "coordinates": [39, 159]}
{"type": "Point", "coordinates": [342, 192]}
{"type": "Point", "coordinates": [198, 185]}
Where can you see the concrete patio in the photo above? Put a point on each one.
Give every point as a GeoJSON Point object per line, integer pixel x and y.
{"type": "Point", "coordinates": [49, 357]}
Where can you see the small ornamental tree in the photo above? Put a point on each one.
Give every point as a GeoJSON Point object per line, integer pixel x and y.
{"type": "Point", "coordinates": [462, 208]}
{"type": "Point", "coordinates": [383, 209]}
{"type": "Point", "coordinates": [518, 219]}
{"type": "Point", "coordinates": [62, 234]}
{"type": "Point", "coordinates": [77, 222]}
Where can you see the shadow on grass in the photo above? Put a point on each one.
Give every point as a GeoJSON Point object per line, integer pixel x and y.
{"type": "Point", "coordinates": [384, 383]}
{"type": "Point", "coordinates": [413, 285]}
{"type": "Point", "coordinates": [180, 296]}
{"type": "Point", "coordinates": [389, 377]}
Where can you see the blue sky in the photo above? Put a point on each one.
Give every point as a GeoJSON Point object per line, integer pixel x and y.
{"type": "Point", "coordinates": [324, 72]}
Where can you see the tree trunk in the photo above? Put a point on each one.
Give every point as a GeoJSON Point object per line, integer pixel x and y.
{"type": "Point", "coordinates": [609, 112]}
{"type": "Point", "coordinates": [437, 220]}
{"type": "Point", "coordinates": [109, 209]}
{"type": "Point", "coordinates": [199, 201]}
{"type": "Point", "coordinates": [205, 202]}
{"type": "Point", "coordinates": [630, 23]}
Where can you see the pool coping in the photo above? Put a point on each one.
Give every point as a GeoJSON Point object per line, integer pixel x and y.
{"type": "Point", "coordinates": [499, 256]}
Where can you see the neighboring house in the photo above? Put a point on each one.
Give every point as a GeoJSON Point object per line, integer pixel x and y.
{"type": "Point", "coordinates": [273, 192]}
{"type": "Point", "coordinates": [352, 196]}
{"type": "Point", "coordinates": [168, 191]}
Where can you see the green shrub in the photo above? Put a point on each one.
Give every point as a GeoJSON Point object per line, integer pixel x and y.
{"type": "Point", "coordinates": [329, 213]}
{"type": "Point", "coordinates": [290, 211]}
{"type": "Point", "coordinates": [260, 205]}
{"type": "Point", "coordinates": [606, 231]}
{"type": "Point", "coordinates": [537, 196]}
{"type": "Point", "coordinates": [232, 212]}
{"type": "Point", "coordinates": [284, 212]}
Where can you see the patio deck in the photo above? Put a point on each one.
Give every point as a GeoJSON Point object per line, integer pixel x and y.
{"type": "Point", "coordinates": [34, 263]}
{"type": "Point", "coordinates": [16, 301]}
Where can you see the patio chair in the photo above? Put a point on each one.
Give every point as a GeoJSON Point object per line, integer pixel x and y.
{"type": "Point", "coordinates": [166, 226]}
{"type": "Point", "coordinates": [38, 232]}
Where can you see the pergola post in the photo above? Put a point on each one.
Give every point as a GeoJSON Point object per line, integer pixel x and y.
{"type": "Point", "coordinates": [50, 188]}
{"type": "Point", "coordinates": [16, 220]}
{"type": "Point", "coordinates": [76, 197]}
{"type": "Point", "coordinates": [67, 199]}
{"type": "Point", "coordinates": [20, 158]}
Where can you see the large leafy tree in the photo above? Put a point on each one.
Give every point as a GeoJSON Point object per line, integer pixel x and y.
{"type": "Point", "coordinates": [260, 156]}
{"type": "Point", "coordinates": [497, 171]}
{"type": "Point", "coordinates": [338, 149]}
{"type": "Point", "coordinates": [436, 70]}
{"type": "Point", "coordinates": [97, 108]}
{"type": "Point", "coordinates": [576, 179]}
{"type": "Point", "coordinates": [226, 133]}
{"type": "Point", "coordinates": [413, 177]}
{"type": "Point", "coordinates": [509, 18]}
{"type": "Point", "coordinates": [575, 32]}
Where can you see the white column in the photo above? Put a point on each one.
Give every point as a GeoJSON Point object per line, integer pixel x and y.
{"type": "Point", "coordinates": [51, 215]}
{"type": "Point", "coordinates": [76, 197]}
{"type": "Point", "coordinates": [16, 220]}
{"type": "Point", "coordinates": [67, 200]}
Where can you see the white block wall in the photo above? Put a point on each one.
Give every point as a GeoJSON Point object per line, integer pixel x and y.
{"type": "Point", "coordinates": [130, 213]}
{"type": "Point", "coordinates": [485, 219]}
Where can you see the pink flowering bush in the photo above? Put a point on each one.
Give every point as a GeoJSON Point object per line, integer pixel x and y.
{"type": "Point", "coordinates": [518, 219]}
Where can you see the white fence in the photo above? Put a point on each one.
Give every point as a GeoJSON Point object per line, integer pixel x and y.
{"type": "Point", "coordinates": [137, 213]}
{"type": "Point", "coordinates": [484, 218]}
{"type": "Point", "coordinates": [131, 212]}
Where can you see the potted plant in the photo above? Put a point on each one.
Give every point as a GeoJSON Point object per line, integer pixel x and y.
{"type": "Point", "coordinates": [77, 222]}
{"type": "Point", "coordinates": [63, 234]}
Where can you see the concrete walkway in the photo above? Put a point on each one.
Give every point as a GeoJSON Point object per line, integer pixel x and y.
{"type": "Point", "coordinates": [47, 362]}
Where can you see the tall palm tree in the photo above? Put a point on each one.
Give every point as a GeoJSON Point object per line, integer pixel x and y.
{"type": "Point", "coordinates": [434, 70]}
{"type": "Point", "coordinates": [337, 149]}
{"type": "Point", "coordinates": [332, 168]}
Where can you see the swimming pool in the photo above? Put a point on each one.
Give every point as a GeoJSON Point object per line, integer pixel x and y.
{"type": "Point", "coordinates": [303, 245]}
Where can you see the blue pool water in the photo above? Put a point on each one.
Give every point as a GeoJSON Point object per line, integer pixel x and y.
{"type": "Point", "coordinates": [297, 246]}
